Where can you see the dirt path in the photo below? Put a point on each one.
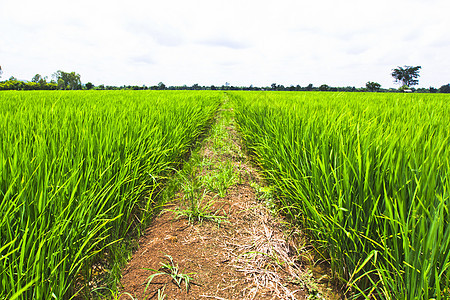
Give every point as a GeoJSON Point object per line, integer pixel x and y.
{"type": "Point", "coordinates": [217, 237]}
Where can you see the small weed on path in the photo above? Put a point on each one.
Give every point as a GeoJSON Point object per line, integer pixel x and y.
{"type": "Point", "coordinates": [195, 203]}
{"type": "Point", "coordinates": [199, 210]}
{"type": "Point", "coordinates": [171, 269]}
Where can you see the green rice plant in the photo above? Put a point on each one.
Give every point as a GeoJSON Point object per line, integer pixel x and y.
{"type": "Point", "coordinates": [196, 205]}
{"type": "Point", "coordinates": [107, 293]}
{"type": "Point", "coordinates": [368, 176]}
{"type": "Point", "coordinates": [220, 134]}
{"type": "Point", "coordinates": [198, 209]}
{"type": "Point", "coordinates": [79, 173]}
{"type": "Point", "coordinates": [171, 269]}
{"type": "Point", "coordinates": [161, 295]}
{"type": "Point", "coordinates": [219, 181]}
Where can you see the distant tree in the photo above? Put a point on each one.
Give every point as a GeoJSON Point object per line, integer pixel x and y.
{"type": "Point", "coordinates": [406, 75]}
{"type": "Point", "coordinates": [39, 79]}
{"type": "Point", "coordinates": [161, 86]}
{"type": "Point", "coordinates": [309, 87]}
{"type": "Point", "coordinates": [445, 88]}
{"type": "Point", "coordinates": [273, 86]}
{"type": "Point", "coordinates": [71, 80]}
{"type": "Point", "coordinates": [347, 89]}
{"type": "Point", "coordinates": [36, 78]}
{"type": "Point", "coordinates": [61, 85]}
{"type": "Point", "coordinates": [89, 86]}
{"type": "Point", "coordinates": [12, 78]}
{"type": "Point", "coordinates": [324, 88]}
{"type": "Point", "coordinates": [433, 90]}
{"type": "Point", "coordinates": [423, 90]}
{"type": "Point", "coordinates": [1, 71]}
{"type": "Point", "coordinates": [373, 86]}
{"type": "Point", "coordinates": [195, 86]}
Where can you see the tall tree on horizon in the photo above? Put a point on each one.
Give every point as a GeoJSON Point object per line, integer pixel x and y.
{"type": "Point", "coordinates": [406, 75]}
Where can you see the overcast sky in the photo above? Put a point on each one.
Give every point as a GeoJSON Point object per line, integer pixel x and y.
{"type": "Point", "coordinates": [339, 43]}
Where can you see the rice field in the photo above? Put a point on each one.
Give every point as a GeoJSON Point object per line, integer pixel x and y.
{"type": "Point", "coordinates": [79, 172]}
{"type": "Point", "coordinates": [368, 176]}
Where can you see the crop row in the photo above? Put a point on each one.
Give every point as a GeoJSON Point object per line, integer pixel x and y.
{"type": "Point", "coordinates": [78, 172]}
{"type": "Point", "coordinates": [368, 175]}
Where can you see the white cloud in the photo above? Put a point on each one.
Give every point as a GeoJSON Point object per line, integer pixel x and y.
{"type": "Point", "coordinates": [339, 43]}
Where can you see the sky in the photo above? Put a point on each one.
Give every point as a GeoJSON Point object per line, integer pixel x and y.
{"type": "Point", "coordinates": [339, 43]}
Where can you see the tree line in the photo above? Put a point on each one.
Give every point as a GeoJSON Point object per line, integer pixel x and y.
{"type": "Point", "coordinates": [61, 81]}
{"type": "Point", "coordinates": [407, 76]}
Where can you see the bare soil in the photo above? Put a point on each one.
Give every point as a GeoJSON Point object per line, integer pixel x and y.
{"type": "Point", "coordinates": [255, 255]}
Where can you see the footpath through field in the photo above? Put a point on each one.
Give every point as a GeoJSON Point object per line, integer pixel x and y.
{"type": "Point", "coordinates": [218, 237]}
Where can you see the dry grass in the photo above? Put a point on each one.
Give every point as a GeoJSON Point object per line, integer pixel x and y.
{"type": "Point", "coordinates": [265, 255]}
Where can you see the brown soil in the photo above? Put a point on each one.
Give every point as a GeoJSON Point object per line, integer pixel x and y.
{"type": "Point", "coordinates": [252, 256]}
